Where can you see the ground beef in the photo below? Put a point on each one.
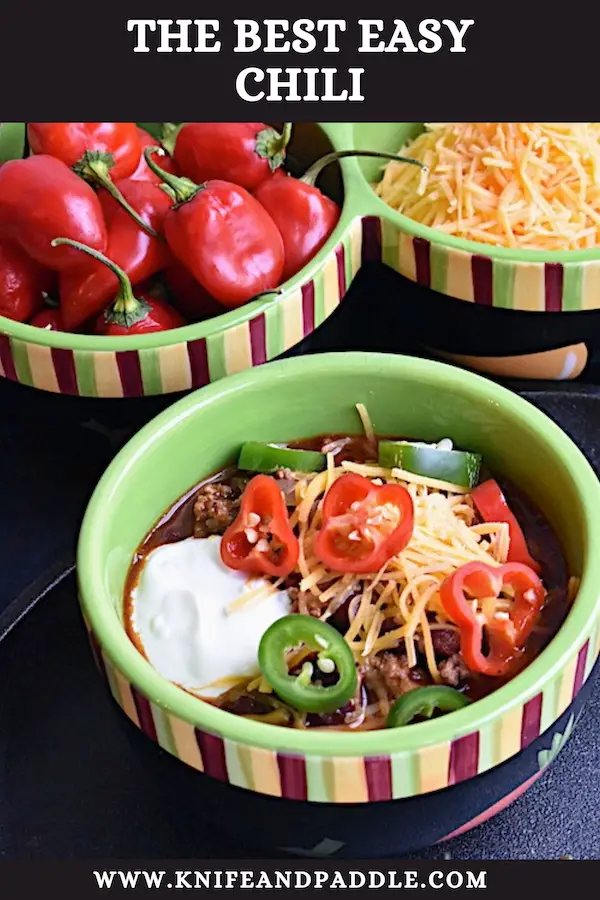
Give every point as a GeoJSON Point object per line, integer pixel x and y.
{"type": "Point", "coordinates": [397, 675]}
{"type": "Point", "coordinates": [305, 602]}
{"type": "Point", "coordinates": [453, 670]}
{"type": "Point", "coordinates": [215, 508]}
{"type": "Point", "coordinates": [338, 717]}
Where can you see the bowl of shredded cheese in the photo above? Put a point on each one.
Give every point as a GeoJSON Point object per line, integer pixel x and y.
{"type": "Point", "coordinates": [318, 787]}
{"type": "Point", "coordinates": [504, 216]}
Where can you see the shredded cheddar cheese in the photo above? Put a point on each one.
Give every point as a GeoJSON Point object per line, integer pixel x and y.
{"type": "Point", "coordinates": [529, 185]}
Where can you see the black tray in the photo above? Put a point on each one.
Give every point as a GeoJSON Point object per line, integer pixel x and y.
{"type": "Point", "coordinates": [71, 782]}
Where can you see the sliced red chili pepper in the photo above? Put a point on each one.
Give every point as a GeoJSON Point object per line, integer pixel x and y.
{"type": "Point", "coordinates": [261, 539]}
{"type": "Point", "coordinates": [492, 507]}
{"type": "Point", "coordinates": [506, 638]}
{"type": "Point", "coordinates": [364, 524]}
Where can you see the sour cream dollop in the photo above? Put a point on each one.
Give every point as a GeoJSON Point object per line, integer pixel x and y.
{"type": "Point", "coordinates": [180, 612]}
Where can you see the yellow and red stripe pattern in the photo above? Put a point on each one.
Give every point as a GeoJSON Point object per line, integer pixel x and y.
{"type": "Point", "coordinates": [184, 366]}
{"type": "Point", "coordinates": [359, 779]}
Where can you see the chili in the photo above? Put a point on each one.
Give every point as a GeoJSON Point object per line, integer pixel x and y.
{"type": "Point", "coordinates": [423, 702]}
{"type": "Point", "coordinates": [40, 198]}
{"type": "Point", "coordinates": [117, 142]}
{"type": "Point", "coordinates": [23, 283]}
{"type": "Point", "coordinates": [130, 313]}
{"type": "Point", "coordinates": [333, 654]}
{"type": "Point", "coordinates": [261, 540]}
{"type": "Point", "coordinates": [364, 524]}
{"type": "Point", "coordinates": [223, 236]}
{"type": "Point", "coordinates": [506, 637]}
{"type": "Point", "coordinates": [245, 153]}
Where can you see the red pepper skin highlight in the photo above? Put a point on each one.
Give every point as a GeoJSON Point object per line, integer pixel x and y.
{"type": "Point", "coordinates": [23, 283]}
{"type": "Point", "coordinates": [245, 153]}
{"type": "Point", "coordinates": [70, 141]}
{"type": "Point", "coordinates": [85, 291]}
{"type": "Point", "coordinates": [41, 198]}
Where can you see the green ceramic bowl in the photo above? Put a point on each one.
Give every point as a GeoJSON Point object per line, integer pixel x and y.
{"type": "Point", "coordinates": [308, 396]}
{"type": "Point", "coordinates": [174, 361]}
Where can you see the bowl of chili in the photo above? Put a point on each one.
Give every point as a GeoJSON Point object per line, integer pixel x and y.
{"type": "Point", "coordinates": [133, 353]}
{"type": "Point", "coordinates": [420, 780]}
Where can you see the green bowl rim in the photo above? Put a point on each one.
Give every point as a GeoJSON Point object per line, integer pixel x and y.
{"type": "Point", "coordinates": [508, 254]}
{"type": "Point", "coordinates": [198, 330]}
{"type": "Point", "coordinates": [122, 653]}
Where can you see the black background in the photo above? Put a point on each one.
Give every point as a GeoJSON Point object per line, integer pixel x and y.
{"type": "Point", "coordinates": [63, 61]}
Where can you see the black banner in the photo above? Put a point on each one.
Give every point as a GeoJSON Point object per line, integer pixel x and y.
{"type": "Point", "coordinates": [158, 61]}
{"type": "Point", "coordinates": [236, 878]}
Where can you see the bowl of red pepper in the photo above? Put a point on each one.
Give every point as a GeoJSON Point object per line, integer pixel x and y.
{"type": "Point", "coordinates": [312, 484]}
{"type": "Point", "coordinates": [151, 258]}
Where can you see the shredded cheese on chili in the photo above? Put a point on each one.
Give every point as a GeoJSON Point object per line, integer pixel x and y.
{"type": "Point", "coordinates": [531, 185]}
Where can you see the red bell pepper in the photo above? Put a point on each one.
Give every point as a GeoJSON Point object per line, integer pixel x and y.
{"type": "Point", "coordinates": [506, 638]}
{"type": "Point", "coordinates": [364, 524]}
{"type": "Point", "coordinates": [40, 197]}
{"type": "Point", "coordinates": [223, 236]}
{"type": "Point", "coordinates": [245, 153]}
{"type": "Point", "coordinates": [117, 142]}
{"type": "Point", "coordinates": [49, 319]}
{"type": "Point", "coordinates": [261, 540]}
{"type": "Point", "coordinates": [188, 296]}
{"type": "Point", "coordinates": [306, 218]}
{"type": "Point", "coordinates": [143, 172]}
{"type": "Point", "coordinates": [128, 313]}
{"type": "Point", "coordinates": [23, 283]}
{"type": "Point", "coordinates": [491, 505]}
{"type": "Point", "coordinates": [85, 291]}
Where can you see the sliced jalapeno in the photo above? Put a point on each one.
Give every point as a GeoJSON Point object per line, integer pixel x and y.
{"type": "Point", "coordinates": [257, 457]}
{"type": "Point", "coordinates": [454, 466]}
{"type": "Point", "coordinates": [424, 702]}
{"type": "Point", "coordinates": [334, 655]}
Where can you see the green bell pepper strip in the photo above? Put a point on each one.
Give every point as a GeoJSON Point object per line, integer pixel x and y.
{"type": "Point", "coordinates": [424, 702]}
{"type": "Point", "coordinates": [256, 457]}
{"type": "Point", "coordinates": [454, 466]}
{"type": "Point", "coordinates": [298, 690]}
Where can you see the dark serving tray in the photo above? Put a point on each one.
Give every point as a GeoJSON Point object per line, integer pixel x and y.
{"type": "Point", "coordinates": [76, 780]}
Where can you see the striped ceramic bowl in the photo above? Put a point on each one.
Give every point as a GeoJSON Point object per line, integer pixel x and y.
{"type": "Point", "coordinates": [483, 304]}
{"type": "Point", "coordinates": [404, 787]}
{"type": "Point", "coordinates": [190, 357]}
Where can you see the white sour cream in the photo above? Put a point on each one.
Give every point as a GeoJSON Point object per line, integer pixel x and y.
{"type": "Point", "coordinates": [180, 614]}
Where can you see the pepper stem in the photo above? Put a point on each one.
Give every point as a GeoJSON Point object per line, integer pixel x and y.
{"type": "Point", "coordinates": [168, 137]}
{"type": "Point", "coordinates": [95, 166]}
{"type": "Point", "coordinates": [271, 145]}
{"type": "Point", "coordinates": [126, 308]}
{"type": "Point", "coordinates": [181, 189]}
{"type": "Point", "coordinates": [311, 175]}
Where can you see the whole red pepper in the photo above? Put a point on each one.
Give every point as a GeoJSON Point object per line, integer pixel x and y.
{"type": "Point", "coordinates": [23, 283]}
{"type": "Point", "coordinates": [41, 197]}
{"type": "Point", "coordinates": [71, 141]}
{"type": "Point", "coordinates": [223, 236]}
{"type": "Point", "coordinates": [364, 524]}
{"type": "Point", "coordinates": [506, 637]}
{"type": "Point", "coordinates": [143, 172]}
{"type": "Point", "coordinates": [86, 290]}
{"type": "Point", "coordinates": [128, 313]}
{"type": "Point", "coordinates": [261, 539]}
{"type": "Point", "coordinates": [49, 319]}
{"type": "Point", "coordinates": [245, 153]}
{"type": "Point", "coordinates": [304, 216]}
{"type": "Point", "coordinates": [188, 296]}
